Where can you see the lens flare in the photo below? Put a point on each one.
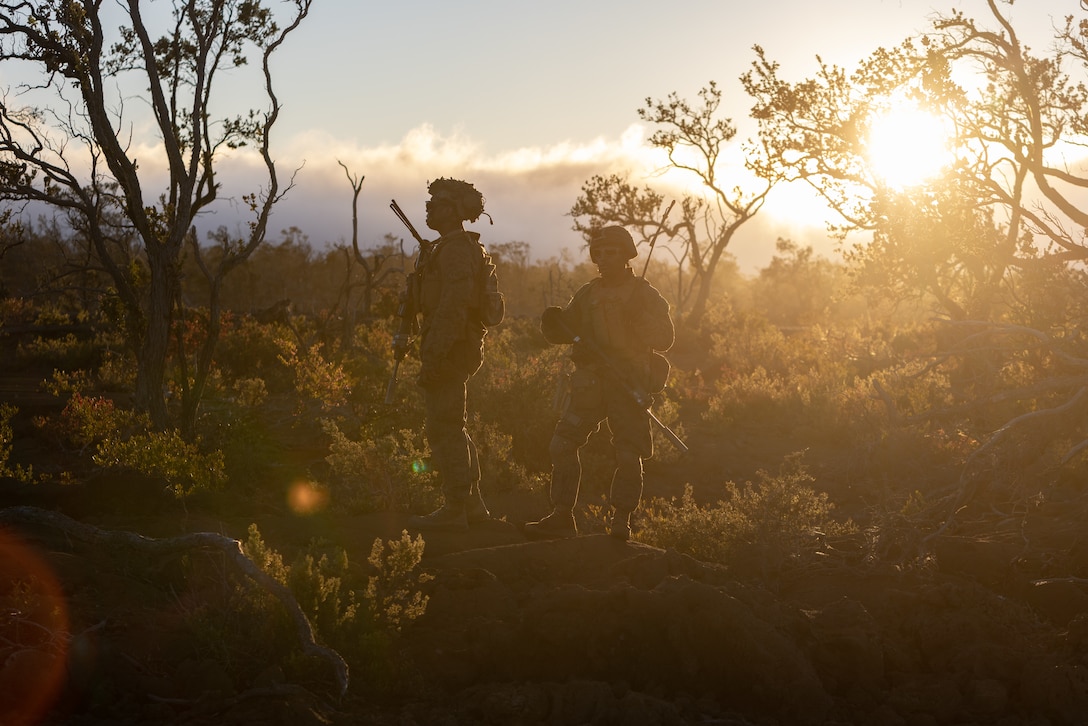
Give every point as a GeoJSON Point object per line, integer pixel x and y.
{"type": "Point", "coordinates": [34, 620]}
{"type": "Point", "coordinates": [306, 497]}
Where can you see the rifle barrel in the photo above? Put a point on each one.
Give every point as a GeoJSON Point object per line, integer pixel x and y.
{"type": "Point", "coordinates": [653, 240]}
{"type": "Point", "coordinates": [407, 222]}
{"type": "Point", "coordinates": [669, 433]}
{"type": "Point", "coordinates": [391, 387]}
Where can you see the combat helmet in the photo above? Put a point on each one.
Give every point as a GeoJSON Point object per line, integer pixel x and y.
{"type": "Point", "coordinates": [617, 236]}
{"type": "Point", "coordinates": [466, 200]}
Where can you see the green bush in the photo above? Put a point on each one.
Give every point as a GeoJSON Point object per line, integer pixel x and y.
{"type": "Point", "coordinates": [379, 473]}
{"type": "Point", "coordinates": [67, 352]}
{"type": "Point", "coordinates": [777, 520]}
{"type": "Point", "coordinates": [363, 623]}
{"type": "Point", "coordinates": [249, 349]}
{"type": "Point", "coordinates": [123, 439]}
{"type": "Point", "coordinates": [317, 582]}
{"type": "Point", "coordinates": [392, 593]}
{"type": "Point", "coordinates": [7, 436]}
{"type": "Point", "coordinates": [165, 455]}
{"type": "Point", "coordinates": [514, 390]}
{"type": "Point", "coordinates": [264, 556]}
{"type": "Point", "coordinates": [316, 378]}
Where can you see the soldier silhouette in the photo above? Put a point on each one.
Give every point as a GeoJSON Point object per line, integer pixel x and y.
{"type": "Point", "coordinates": [451, 350]}
{"type": "Point", "coordinates": [626, 320]}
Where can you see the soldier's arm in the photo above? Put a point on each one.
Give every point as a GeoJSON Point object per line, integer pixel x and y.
{"type": "Point", "coordinates": [561, 325]}
{"type": "Point", "coordinates": [653, 323]}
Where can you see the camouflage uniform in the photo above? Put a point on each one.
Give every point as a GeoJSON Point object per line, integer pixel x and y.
{"type": "Point", "coordinates": [451, 351]}
{"type": "Point", "coordinates": [627, 321]}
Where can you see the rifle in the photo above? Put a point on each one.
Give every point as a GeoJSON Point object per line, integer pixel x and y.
{"type": "Point", "coordinates": [406, 307]}
{"type": "Point", "coordinates": [638, 396]}
{"type": "Point", "coordinates": [653, 240]}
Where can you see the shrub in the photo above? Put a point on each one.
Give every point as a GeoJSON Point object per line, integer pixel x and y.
{"type": "Point", "coordinates": [318, 584]}
{"type": "Point", "coordinates": [781, 518]}
{"type": "Point", "coordinates": [316, 378]}
{"type": "Point", "coordinates": [392, 594]}
{"type": "Point", "coordinates": [250, 392]}
{"type": "Point", "coordinates": [67, 352]}
{"type": "Point", "coordinates": [16, 311]}
{"type": "Point", "coordinates": [122, 438]}
{"type": "Point", "coordinates": [252, 349]}
{"type": "Point", "coordinates": [116, 372]}
{"type": "Point", "coordinates": [379, 474]}
{"type": "Point", "coordinates": [515, 389]}
{"type": "Point", "coordinates": [264, 556]}
{"type": "Point", "coordinates": [165, 455]}
{"type": "Point", "coordinates": [7, 437]}
{"type": "Point", "coordinates": [361, 624]}
{"type": "Point", "coordinates": [498, 469]}
{"type": "Point", "coordinates": [227, 619]}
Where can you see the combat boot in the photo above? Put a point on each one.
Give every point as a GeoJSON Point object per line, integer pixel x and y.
{"type": "Point", "coordinates": [620, 526]}
{"type": "Point", "coordinates": [557, 525]}
{"type": "Point", "coordinates": [447, 518]}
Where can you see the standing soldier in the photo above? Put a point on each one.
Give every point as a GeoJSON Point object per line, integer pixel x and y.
{"type": "Point", "coordinates": [617, 323]}
{"type": "Point", "coordinates": [451, 350]}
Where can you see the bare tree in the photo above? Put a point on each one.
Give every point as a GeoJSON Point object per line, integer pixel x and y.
{"type": "Point", "coordinates": [377, 264]}
{"type": "Point", "coordinates": [694, 137]}
{"type": "Point", "coordinates": [76, 152]}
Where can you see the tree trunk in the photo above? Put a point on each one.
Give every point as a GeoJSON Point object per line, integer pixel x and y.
{"type": "Point", "coordinates": [151, 363]}
{"type": "Point", "coordinates": [698, 305]}
{"type": "Point", "coordinates": [190, 405]}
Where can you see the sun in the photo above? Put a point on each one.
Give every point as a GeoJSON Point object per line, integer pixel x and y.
{"type": "Point", "coordinates": [907, 145]}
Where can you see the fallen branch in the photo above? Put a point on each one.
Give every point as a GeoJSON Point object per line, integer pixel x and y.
{"type": "Point", "coordinates": [1052, 580]}
{"type": "Point", "coordinates": [232, 548]}
{"type": "Point", "coordinates": [968, 487]}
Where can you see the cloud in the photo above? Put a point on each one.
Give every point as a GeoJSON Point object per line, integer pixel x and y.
{"type": "Point", "coordinates": [529, 190]}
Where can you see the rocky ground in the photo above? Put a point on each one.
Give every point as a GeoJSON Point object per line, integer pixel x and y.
{"type": "Point", "coordinates": [994, 630]}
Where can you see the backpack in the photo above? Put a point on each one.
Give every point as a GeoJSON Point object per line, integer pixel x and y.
{"type": "Point", "coordinates": [490, 304]}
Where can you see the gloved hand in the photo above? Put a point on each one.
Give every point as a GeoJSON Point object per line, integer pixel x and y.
{"type": "Point", "coordinates": [555, 329]}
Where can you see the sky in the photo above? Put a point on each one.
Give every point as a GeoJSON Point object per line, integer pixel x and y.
{"type": "Point", "coordinates": [528, 100]}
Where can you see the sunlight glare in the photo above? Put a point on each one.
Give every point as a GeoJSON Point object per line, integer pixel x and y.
{"type": "Point", "coordinates": [907, 146]}
{"type": "Point", "coordinates": [305, 497]}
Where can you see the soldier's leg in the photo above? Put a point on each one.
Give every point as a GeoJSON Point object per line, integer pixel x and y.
{"type": "Point", "coordinates": [632, 441]}
{"type": "Point", "coordinates": [563, 492]}
{"type": "Point", "coordinates": [449, 441]}
{"type": "Point", "coordinates": [475, 507]}
{"type": "Point", "coordinates": [627, 481]}
{"type": "Point", "coordinates": [580, 418]}
{"type": "Point", "coordinates": [566, 467]}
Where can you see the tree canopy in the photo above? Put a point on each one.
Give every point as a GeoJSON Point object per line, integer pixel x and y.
{"type": "Point", "coordinates": [72, 146]}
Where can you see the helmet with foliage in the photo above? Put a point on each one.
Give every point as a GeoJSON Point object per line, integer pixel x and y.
{"type": "Point", "coordinates": [612, 236]}
{"type": "Point", "coordinates": [468, 203]}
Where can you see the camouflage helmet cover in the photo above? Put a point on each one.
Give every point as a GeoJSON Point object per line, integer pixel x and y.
{"type": "Point", "coordinates": [617, 236]}
{"type": "Point", "coordinates": [467, 201]}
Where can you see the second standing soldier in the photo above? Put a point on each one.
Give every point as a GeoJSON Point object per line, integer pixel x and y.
{"type": "Point", "coordinates": [627, 320]}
